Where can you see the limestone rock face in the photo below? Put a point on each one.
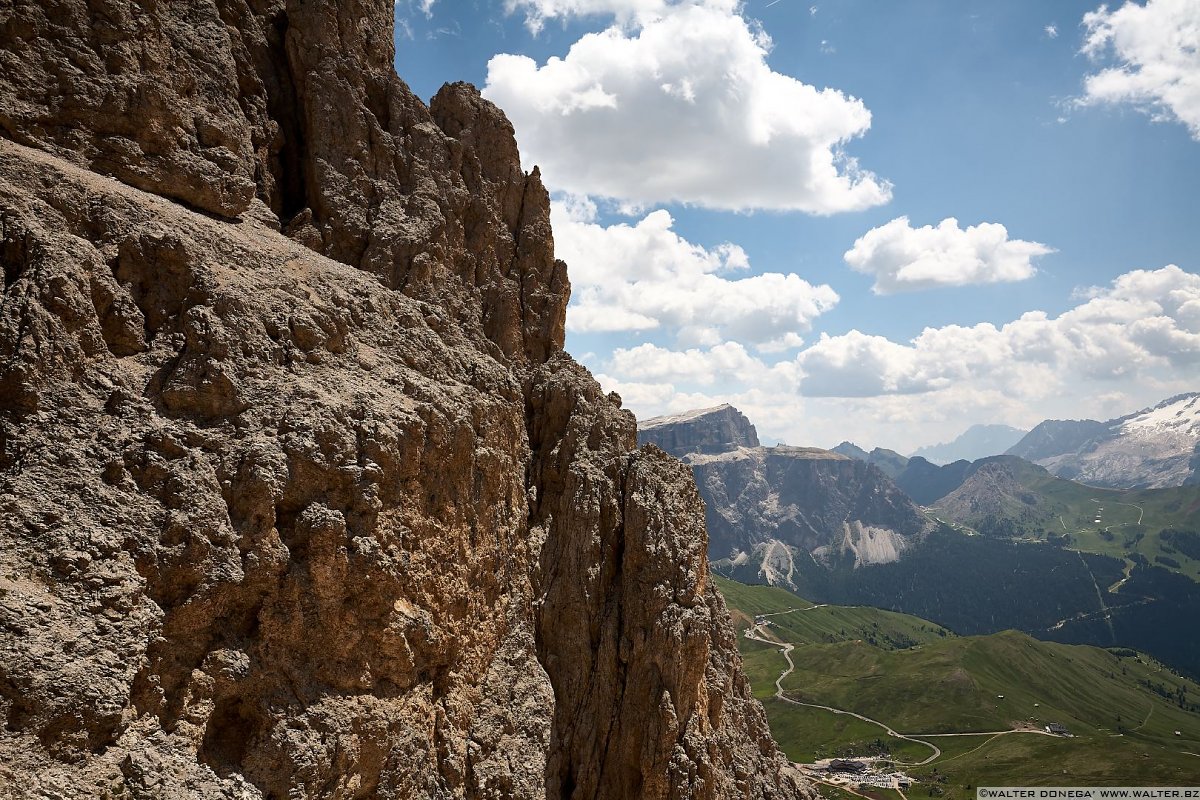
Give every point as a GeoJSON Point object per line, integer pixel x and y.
{"type": "Point", "coordinates": [770, 509]}
{"type": "Point", "coordinates": [299, 495]}
{"type": "Point", "coordinates": [802, 497]}
{"type": "Point", "coordinates": [707, 430]}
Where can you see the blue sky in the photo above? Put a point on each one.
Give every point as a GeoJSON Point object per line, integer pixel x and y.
{"type": "Point", "coordinates": [836, 176]}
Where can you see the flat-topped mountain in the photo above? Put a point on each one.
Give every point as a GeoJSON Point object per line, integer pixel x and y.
{"type": "Point", "coordinates": [706, 430]}
{"type": "Point", "coordinates": [765, 507]}
{"type": "Point", "coordinates": [1151, 448]}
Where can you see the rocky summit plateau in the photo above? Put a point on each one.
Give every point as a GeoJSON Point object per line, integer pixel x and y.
{"type": "Point", "coordinates": [300, 496]}
{"type": "Point", "coordinates": [706, 430]}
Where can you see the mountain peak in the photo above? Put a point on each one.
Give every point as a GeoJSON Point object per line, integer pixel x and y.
{"type": "Point", "coordinates": [977, 441]}
{"type": "Point", "coordinates": [704, 430]}
{"type": "Point", "coordinates": [848, 448]}
{"type": "Point", "coordinates": [1150, 448]}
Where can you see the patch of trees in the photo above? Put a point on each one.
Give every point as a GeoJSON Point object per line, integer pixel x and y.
{"type": "Point", "coordinates": [1186, 542]}
{"type": "Point", "coordinates": [1157, 617]}
{"type": "Point", "coordinates": [978, 585]}
{"type": "Point", "coordinates": [971, 584]}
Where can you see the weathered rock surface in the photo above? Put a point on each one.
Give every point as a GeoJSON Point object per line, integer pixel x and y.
{"type": "Point", "coordinates": [299, 496]}
{"type": "Point", "coordinates": [997, 490]}
{"type": "Point", "coordinates": [811, 500]}
{"type": "Point", "coordinates": [708, 430]}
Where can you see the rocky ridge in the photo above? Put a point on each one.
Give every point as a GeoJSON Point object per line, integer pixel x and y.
{"type": "Point", "coordinates": [1148, 449]}
{"type": "Point", "coordinates": [300, 495]}
{"type": "Point", "coordinates": [889, 462]}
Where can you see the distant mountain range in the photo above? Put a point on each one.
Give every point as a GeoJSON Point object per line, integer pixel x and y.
{"type": "Point", "coordinates": [889, 462]}
{"type": "Point", "coordinates": [977, 441]}
{"type": "Point", "coordinates": [1155, 447]}
{"type": "Point", "coordinates": [1152, 448]}
{"type": "Point", "coordinates": [1001, 543]}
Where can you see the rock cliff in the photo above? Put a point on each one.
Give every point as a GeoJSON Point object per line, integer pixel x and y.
{"type": "Point", "coordinates": [299, 495]}
{"type": "Point", "coordinates": [707, 430]}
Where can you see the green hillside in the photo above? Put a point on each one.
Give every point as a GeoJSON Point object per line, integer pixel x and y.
{"type": "Point", "coordinates": [1122, 708]}
{"type": "Point", "coordinates": [1008, 496]}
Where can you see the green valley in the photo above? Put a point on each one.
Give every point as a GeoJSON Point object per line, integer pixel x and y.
{"type": "Point", "coordinates": [974, 708]}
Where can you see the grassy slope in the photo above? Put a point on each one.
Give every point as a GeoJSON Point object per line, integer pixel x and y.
{"type": "Point", "coordinates": [1118, 532]}
{"type": "Point", "coordinates": [1068, 507]}
{"type": "Point", "coordinates": [945, 683]}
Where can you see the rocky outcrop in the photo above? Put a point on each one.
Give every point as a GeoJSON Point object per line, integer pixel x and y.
{"type": "Point", "coordinates": [300, 496]}
{"type": "Point", "coordinates": [707, 430]}
{"type": "Point", "coordinates": [997, 496]}
{"type": "Point", "coordinates": [1153, 448]}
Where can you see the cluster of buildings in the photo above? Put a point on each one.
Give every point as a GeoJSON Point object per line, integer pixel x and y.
{"type": "Point", "coordinates": [857, 771]}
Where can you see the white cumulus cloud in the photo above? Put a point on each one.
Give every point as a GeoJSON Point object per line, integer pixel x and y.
{"type": "Point", "coordinates": [676, 103]}
{"type": "Point", "coordinates": [904, 258]}
{"type": "Point", "coordinates": [721, 363]}
{"type": "Point", "coordinates": [1156, 50]}
{"type": "Point", "coordinates": [1146, 322]}
{"type": "Point", "coordinates": [1121, 347]}
{"type": "Point", "coordinates": [645, 276]}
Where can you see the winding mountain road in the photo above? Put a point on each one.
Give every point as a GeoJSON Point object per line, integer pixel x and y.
{"type": "Point", "coordinates": [786, 648]}
{"type": "Point", "coordinates": [754, 633]}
